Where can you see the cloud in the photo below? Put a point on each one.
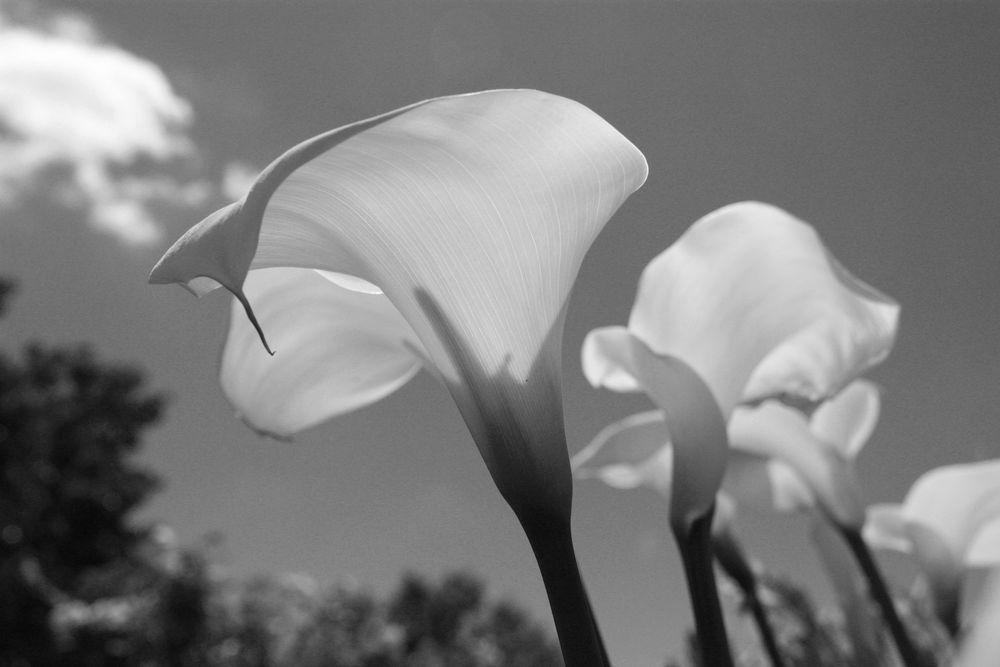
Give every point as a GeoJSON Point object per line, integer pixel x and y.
{"type": "Point", "coordinates": [94, 127]}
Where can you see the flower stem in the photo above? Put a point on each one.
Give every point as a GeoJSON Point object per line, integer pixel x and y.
{"type": "Point", "coordinates": [694, 541]}
{"type": "Point", "coordinates": [552, 543]}
{"type": "Point", "coordinates": [879, 591]}
{"type": "Point", "coordinates": [731, 558]}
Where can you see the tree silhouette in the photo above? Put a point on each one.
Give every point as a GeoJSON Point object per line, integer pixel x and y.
{"type": "Point", "coordinates": [69, 424]}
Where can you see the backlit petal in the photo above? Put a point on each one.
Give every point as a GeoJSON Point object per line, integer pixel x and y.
{"type": "Point", "coordinates": [696, 426]}
{"type": "Point", "coordinates": [885, 529]}
{"type": "Point", "coordinates": [775, 431]}
{"type": "Point", "coordinates": [336, 350]}
{"type": "Point", "coordinates": [984, 549]}
{"type": "Point", "coordinates": [847, 420]}
{"type": "Point", "coordinates": [750, 298]}
{"type": "Point", "coordinates": [956, 502]}
{"type": "Point", "coordinates": [487, 202]}
{"type": "Point", "coordinates": [633, 452]}
{"type": "Point", "coordinates": [606, 359]}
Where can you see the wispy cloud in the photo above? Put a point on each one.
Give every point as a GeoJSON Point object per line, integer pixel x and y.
{"type": "Point", "coordinates": [94, 127]}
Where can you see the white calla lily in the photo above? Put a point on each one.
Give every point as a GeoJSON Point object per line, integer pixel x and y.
{"type": "Point", "coordinates": [753, 303]}
{"type": "Point", "coordinates": [950, 522]}
{"type": "Point", "coordinates": [471, 214]}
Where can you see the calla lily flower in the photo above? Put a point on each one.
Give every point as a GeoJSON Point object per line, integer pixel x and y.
{"type": "Point", "coordinates": [471, 214]}
{"type": "Point", "coordinates": [950, 522]}
{"type": "Point", "coordinates": [465, 220]}
{"type": "Point", "coordinates": [747, 306]}
{"type": "Point", "coordinates": [752, 302]}
{"type": "Point", "coordinates": [780, 459]}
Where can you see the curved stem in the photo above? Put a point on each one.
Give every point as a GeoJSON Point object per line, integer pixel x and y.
{"type": "Point", "coordinates": [730, 557]}
{"type": "Point", "coordinates": [880, 592]}
{"type": "Point", "coordinates": [552, 544]}
{"type": "Point", "coordinates": [694, 542]}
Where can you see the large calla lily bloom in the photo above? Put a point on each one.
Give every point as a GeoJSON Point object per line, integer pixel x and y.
{"type": "Point", "coordinates": [464, 221]}
{"type": "Point", "coordinates": [471, 214]}
{"type": "Point", "coordinates": [950, 522]}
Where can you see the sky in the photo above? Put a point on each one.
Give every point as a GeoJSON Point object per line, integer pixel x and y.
{"type": "Point", "coordinates": [124, 123]}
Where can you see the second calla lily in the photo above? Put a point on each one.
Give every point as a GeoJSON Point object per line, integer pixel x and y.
{"type": "Point", "coordinates": [950, 522]}
{"type": "Point", "coordinates": [463, 221]}
{"type": "Point", "coordinates": [746, 307]}
{"type": "Point", "coordinates": [752, 302]}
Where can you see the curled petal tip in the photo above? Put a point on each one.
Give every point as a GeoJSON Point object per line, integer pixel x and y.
{"type": "Point", "coordinates": [264, 433]}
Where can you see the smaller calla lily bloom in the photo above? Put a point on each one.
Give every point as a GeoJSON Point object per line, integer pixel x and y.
{"type": "Point", "coordinates": [752, 302]}
{"type": "Point", "coordinates": [950, 522]}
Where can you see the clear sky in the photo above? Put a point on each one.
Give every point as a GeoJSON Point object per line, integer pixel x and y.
{"type": "Point", "coordinates": [879, 123]}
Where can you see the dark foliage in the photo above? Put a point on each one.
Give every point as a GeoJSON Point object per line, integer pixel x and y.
{"type": "Point", "coordinates": [69, 424]}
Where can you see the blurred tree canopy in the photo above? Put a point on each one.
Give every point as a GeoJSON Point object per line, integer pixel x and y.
{"type": "Point", "coordinates": [68, 425]}
{"type": "Point", "coordinates": [81, 585]}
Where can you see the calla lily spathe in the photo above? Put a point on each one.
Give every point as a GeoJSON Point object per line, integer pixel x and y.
{"type": "Point", "coordinates": [751, 301]}
{"type": "Point", "coordinates": [950, 522]}
{"type": "Point", "coordinates": [780, 459]}
{"type": "Point", "coordinates": [471, 215]}
{"type": "Point", "coordinates": [460, 224]}
{"type": "Point", "coordinates": [949, 518]}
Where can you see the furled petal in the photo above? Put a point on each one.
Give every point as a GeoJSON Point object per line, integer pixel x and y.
{"type": "Point", "coordinates": [776, 431]}
{"type": "Point", "coordinates": [847, 420]}
{"type": "Point", "coordinates": [605, 357]}
{"type": "Point", "coordinates": [633, 452]}
{"type": "Point", "coordinates": [957, 503]}
{"type": "Point", "coordinates": [750, 298]}
{"type": "Point", "coordinates": [336, 350]}
{"type": "Point", "coordinates": [885, 529]}
{"type": "Point", "coordinates": [696, 427]}
{"type": "Point", "coordinates": [472, 214]}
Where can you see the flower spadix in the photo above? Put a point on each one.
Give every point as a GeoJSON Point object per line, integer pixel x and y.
{"type": "Point", "coordinates": [463, 220]}
{"type": "Point", "coordinates": [752, 304]}
{"type": "Point", "coordinates": [949, 521]}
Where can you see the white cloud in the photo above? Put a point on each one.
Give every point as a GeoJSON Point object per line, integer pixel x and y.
{"type": "Point", "coordinates": [99, 128]}
{"type": "Point", "coordinates": [237, 177]}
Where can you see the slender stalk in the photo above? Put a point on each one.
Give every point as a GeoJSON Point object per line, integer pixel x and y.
{"type": "Point", "coordinates": [879, 591]}
{"type": "Point", "coordinates": [764, 628]}
{"type": "Point", "coordinates": [730, 557]}
{"type": "Point", "coordinates": [552, 544]}
{"type": "Point", "coordinates": [695, 544]}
